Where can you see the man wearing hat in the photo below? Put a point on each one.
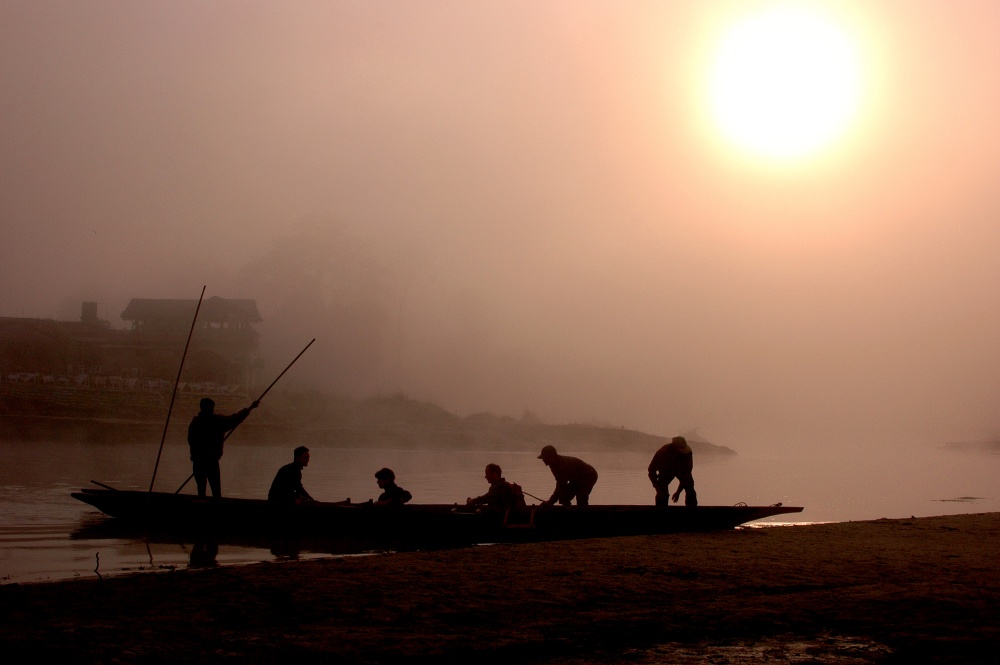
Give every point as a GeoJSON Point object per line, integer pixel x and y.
{"type": "Point", "coordinates": [673, 460]}
{"type": "Point", "coordinates": [574, 478]}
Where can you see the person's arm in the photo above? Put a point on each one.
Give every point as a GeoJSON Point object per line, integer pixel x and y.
{"type": "Point", "coordinates": [298, 491]}
{"type": "Point", "coordinates": [655, 465]}
{"type": "Point", "coordinates": [557, 492]}
{"type": "Point", "coordinates": [491, 498]}
{"type": "Point", "coordinates": [234, 420]}
{"type": "Point", "coordinates": [229, 423]}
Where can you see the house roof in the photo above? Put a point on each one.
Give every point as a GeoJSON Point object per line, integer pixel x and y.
{"type": "Point", "coordinates": [212, 309]}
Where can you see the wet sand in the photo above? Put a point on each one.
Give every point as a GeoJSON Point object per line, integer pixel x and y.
{"type": "Point", "coordinates": [887, 591]}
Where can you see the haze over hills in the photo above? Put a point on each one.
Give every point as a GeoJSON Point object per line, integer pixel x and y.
{"type": "Point", "coordinates": [397, 420]}
{"type": "Point", "coordinates": [492, 205]}
{"type": "Point", "coordinates": [315, 418]}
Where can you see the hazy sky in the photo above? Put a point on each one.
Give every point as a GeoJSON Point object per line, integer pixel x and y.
{"type": "Point", "coordinates": [507, 205]}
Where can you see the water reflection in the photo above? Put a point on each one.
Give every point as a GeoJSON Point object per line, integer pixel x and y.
{"type": "Point", "coordinates": [45, 534]}
{"type": "Point", "coordinates": [204, 555]}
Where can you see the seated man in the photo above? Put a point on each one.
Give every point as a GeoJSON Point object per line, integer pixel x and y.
{"type": "Point", "coordinates": [286, 489]}
{"type": "Point", "coordinates": [574, 478]}
{"type": "Point", "coordinates": [502, 496]}
{"type": "Point", "coordinates": [392, 494]}
{"type": "Point", "coordinates": [673, 460]}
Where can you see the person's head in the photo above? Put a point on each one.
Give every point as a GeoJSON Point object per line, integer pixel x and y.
{"type": "Point", "coordinates": [207, 405]}
{"type": "Point", "coordinates": [384, 476]}
{"type": "Point", "coordinates": [549, 453]}
{"type": "Point", "coordinates": [301, 456]}
{"type": "Point", "coordinates": [493, 472]}
{"type": "Point", "coordinates": [680, 442]}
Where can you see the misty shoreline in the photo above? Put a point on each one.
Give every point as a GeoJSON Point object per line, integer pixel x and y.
{"type": "Point", "coordinates": [312, 418]}
{"type": "Point", "coordinates": [504, 436]}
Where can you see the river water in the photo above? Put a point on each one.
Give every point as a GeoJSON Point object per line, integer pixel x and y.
{"type": "Point", "coordinates": [47, 535]}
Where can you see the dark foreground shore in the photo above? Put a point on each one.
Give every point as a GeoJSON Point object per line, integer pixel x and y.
{"type": "Point", "coordinates": [923, 590]}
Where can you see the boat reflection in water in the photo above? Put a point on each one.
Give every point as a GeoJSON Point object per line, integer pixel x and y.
{"type": "Point", "coordinates": [285, 542]}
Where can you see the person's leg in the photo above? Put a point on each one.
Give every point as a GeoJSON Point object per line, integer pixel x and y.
{"type": "Point", "coordinates": [200, 477]}
{"type": "Point", "coordinates": [663, 490]}
{"type": "Point", "coordinates": [215, 479]}
{"type": "Point", "coordinates": [567, 491]}
{"type": "Point", "coordinates": [690, 496]}
{"type": "Point", "coordinates": [583, 492]}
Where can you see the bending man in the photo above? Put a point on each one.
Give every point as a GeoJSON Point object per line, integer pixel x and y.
{"type": "Point", "coordinates": [574, 478]}
{"type": "Point", "coordinates": [673, 460]}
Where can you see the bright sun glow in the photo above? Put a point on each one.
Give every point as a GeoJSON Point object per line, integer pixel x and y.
{"type": "Point", "coordinates": [785, 83]}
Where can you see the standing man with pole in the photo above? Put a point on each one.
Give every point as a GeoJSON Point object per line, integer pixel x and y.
{"type": "Point", "coordinates": [206, 434]}
{"type": "Point", "coordinates": [216, 441]}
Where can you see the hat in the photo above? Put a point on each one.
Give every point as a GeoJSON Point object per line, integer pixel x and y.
{"type": "Point", "coordinates": [548, 451]}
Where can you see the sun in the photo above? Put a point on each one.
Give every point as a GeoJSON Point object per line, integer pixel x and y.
{"type": "Point", "coordinates": [785, 83]}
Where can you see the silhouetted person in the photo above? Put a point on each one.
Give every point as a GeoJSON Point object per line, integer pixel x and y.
{"type": "Point", "coordinates": [502, 496]}
{"type": "Point", "coordinates": [673, 460]}
{"type": "Point", "coordinates": [392, 494]}
{"type": "Point", "coordinates": [574, 478]}
{"type": "Point", "coordinates": [286, 488]}
{"type": "Point", "coordinates": [206, 433]}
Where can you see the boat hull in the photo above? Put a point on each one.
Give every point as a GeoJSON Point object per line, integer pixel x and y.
{"type": "Point", "coordinates": [416, 522]}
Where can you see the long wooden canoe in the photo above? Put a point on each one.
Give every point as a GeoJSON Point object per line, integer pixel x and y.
{"type": "Point", "coordinates": [428, 522]}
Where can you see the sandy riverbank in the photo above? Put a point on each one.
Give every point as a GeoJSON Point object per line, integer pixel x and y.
{"type": "Point", "coordinates": [889, 591]}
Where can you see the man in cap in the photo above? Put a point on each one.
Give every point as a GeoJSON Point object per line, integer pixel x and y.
{"type": "Point", "coordinates": [286, 488]}
{"type": "Point", "coordinates": [673, 460]}
{"type": "Point", "coordinates": [574, 478]}
{"type": "Point", "coordinates": [206, 433]}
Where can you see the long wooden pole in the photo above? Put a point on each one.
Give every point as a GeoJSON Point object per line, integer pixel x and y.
{"type": "Point", "coordinates": [283, 372]}
{"type": "Point", "coordinates": [173, 396]}
{"type": "Point", "coordinates": [258, 400]}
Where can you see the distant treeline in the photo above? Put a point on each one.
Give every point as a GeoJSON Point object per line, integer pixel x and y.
{"type": "Point", "coordinates": [401, 422]}
{"type": "Point", "coordinates": [311, 417]}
